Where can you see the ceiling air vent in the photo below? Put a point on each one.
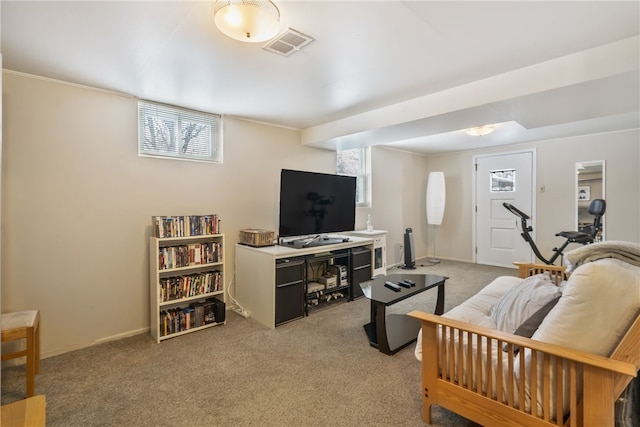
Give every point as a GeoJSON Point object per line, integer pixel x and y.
{"type": "Point", "coordinates": [288, 42]}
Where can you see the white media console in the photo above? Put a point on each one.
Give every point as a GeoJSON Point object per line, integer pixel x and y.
{"type": "Point", "coordinates": [272, 282]}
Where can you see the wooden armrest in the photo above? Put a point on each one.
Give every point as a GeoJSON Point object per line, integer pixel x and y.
{"type": "Point", "coordinates": [551, 349]}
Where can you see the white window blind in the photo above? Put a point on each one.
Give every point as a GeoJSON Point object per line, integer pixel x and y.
{"type": "Point", "coordinates": [168, 131]}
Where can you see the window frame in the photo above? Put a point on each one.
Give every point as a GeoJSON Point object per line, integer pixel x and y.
{"type": "Point", "coordinates": [363, 177]}
{"type": "Point", "coordinates": [179, 116]}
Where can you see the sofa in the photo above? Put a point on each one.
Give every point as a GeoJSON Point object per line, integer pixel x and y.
{"type": "Point", "coordinates": [555, 346]}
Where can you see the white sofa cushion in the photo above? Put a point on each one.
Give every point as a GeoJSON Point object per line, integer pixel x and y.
{"type": "Point", "coordinates": [521, 301]}
{"type": "Point", "coordinates": [590, 315]}
{"type": "Point", "coordinates": [477, 309]}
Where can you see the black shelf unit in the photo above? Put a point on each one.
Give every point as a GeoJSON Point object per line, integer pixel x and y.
{"type": "Point", "coordinates": [299, 291]}
{"type": "Point", "coordinates": [317, 266]}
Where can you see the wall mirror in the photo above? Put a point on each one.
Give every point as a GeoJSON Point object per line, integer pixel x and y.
{"type": "Point", "coordinates": [590, 185]}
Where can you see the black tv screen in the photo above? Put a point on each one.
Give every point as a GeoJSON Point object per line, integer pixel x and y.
{"type": "Point", "coordinates": [316, 203]}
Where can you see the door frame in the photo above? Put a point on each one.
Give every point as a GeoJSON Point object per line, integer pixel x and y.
{"type": "Point", "coordinates": [474, 206]}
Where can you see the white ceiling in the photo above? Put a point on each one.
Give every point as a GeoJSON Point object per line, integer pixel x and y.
{"type": "Point", "coordinates": [410, 74]}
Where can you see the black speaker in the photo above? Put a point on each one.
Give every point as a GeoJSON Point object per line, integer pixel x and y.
{"type": "Point", "coordinates": [409, 250]}
{"type": "Point", "coordinates": [219, 309]}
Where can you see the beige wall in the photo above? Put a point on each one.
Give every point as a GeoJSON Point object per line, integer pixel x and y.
{"type": "Point", "coordinates": [77, 204]}
{"type": "Point", "coordinates": [77, 201]}
{"type": "Point", "coordinates": [398, 200]}
{"type": "Point", "coordinates": [555, 207]}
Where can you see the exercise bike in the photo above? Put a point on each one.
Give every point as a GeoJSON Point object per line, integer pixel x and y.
{"type": "Point", "coordinates": [597, 208]}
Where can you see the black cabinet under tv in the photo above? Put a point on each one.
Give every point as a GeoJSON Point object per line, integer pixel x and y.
{"type": "Point", "coordinates": [290, 290]}
{"type": "Point", "coordinates": [328, 278]}
{"type": "Point", "coordinates": [361, 270]}
{"type": "Point", "coordinates": [278, 284]}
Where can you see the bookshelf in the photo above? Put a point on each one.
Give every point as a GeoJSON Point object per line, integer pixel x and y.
{"type": "Point", "coordinates": [186, 275]}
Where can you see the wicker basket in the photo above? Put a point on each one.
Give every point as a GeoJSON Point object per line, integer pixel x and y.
{"type": "Point", "coordinates": [254, 237]}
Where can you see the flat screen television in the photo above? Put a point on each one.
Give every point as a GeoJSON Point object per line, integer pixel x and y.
{"type": "Point", "coordinates": [313, 203]}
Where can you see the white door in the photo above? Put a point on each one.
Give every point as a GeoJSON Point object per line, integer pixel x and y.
{"type": "Point", "coordinates": [502, 178]}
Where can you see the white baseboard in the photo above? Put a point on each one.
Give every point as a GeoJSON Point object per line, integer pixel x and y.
{"type": "Point", "coordinates": [120, 336]}
{"type": "Point", "coordinates": [22, 360]}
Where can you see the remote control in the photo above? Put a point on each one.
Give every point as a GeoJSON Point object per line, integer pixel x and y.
{"type": "Point", "coordinates": [411, 282]}
{"type": "Point", "coordinates": [392, 286]}
{"type": "Point", "coordinates": [404, 284]}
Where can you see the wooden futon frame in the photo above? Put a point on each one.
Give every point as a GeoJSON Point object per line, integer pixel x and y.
{"type": "Point", "coordinates": [593, 386]}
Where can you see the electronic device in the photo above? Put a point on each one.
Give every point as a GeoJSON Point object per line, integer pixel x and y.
{"type": "Point", "coordinates": [313, 203]}
{"type": "Point", "coordinates": [404, 284]}
{"type": "Point", "coordinates": [339, 270]}
{"type": "Point", "coordinates": [409, 250]}
{"type": "Point", "coordinates": [392, 286]}
{"type": "Point", "coordinates": [330, 281]}
{"type": "Point", "coordinates": [408, 282]}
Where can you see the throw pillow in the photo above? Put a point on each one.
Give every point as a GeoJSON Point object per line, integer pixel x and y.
{"type": "Point", "coordinates": [528, 328]}
{"type": "Point", "coordinates": [521, 301]}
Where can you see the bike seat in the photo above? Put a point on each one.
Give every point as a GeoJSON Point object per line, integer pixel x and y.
{"type": "Point", "coordinates": [597, 208]}
{"type": "Point", "coordinates": [576, 236]}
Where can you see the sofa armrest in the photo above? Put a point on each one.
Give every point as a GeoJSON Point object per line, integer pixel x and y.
{"type": "Point", "coordinates": [550, 349]}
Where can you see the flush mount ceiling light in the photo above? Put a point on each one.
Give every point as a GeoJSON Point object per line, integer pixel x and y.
{"type": "Point", "coordinates": [247, 20]}
{"type": "Point", "coordinates": [481, 130]}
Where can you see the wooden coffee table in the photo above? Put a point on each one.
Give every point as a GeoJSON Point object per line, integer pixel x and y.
{"type": "Point", "coordinates": [392, 332]}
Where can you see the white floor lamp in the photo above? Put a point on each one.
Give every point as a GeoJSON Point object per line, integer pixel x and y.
{"type": "Point", "coordinates": [436, 197]}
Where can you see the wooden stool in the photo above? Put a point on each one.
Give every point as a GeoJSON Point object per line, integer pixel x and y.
{"type": "Point", "coordinates": [30, 412]}
{"type": "Point", "coordinates": [24, 325]}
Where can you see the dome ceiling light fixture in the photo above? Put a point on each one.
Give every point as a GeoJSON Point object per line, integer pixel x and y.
{"type": "Point", "coordinates": [251, 21]}
{"type": "Point", "coordinates": [480, 130]}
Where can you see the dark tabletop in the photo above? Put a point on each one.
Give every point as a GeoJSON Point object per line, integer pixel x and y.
{"type": "Point", "coordinates": [376, 291]}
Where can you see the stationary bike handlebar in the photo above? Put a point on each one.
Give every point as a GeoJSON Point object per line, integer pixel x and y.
{"type": "Point", "coordinates": [515, 211]}
{"type": "Point", "coordinates": [526, 236]}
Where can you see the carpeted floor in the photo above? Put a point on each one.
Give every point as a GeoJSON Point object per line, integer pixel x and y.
{"type": "Point", "coordinates": [316, 371]}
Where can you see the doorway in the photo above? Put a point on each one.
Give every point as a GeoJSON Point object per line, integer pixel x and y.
{"type": "Point", "coordinates": [506, 177]}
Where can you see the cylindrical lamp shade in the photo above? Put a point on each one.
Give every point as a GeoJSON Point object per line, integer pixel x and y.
{"type": "Point", "coordinates": [436, 197]}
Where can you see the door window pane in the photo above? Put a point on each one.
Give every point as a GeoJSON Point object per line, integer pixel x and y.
{"type": "Point", "coordinates": [503, 181]}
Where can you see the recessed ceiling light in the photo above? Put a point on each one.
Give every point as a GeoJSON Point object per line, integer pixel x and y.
{"type": "Point", "coordinates": [481, 130]}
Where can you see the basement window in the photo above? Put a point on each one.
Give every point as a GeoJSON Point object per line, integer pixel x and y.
{"type": "Point", "coordinates": [177, 133]}
{"type": "Point", "coordinates": [356, 162]}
